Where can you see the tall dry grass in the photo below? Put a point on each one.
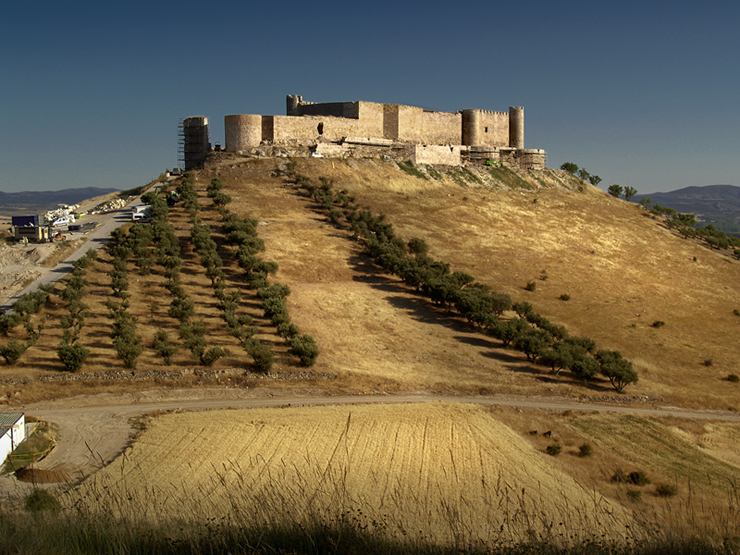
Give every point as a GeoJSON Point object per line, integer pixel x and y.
{"type": "Point", "coordinates": [297, 521]}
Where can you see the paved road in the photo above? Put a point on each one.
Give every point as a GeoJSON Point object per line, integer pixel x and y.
{"type": "Point", "coordinates": [92, 436]}
{"type": "Point", "coordinates": [95, 239]}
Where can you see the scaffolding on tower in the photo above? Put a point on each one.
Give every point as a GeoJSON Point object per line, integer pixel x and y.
{"type": "Point", "coordinates": [194, 142]}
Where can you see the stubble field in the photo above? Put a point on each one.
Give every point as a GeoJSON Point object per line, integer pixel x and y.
{"type": "Point", "coordinates": [435, 471]}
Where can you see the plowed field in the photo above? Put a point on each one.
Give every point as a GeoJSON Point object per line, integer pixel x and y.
{"type": "Point", "coordinates": [441, 471]}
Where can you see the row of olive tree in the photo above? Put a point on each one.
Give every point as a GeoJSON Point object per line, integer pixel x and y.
{"type": "Point", "coordinates": [167, 255]}
{"type": "Point", "coordinates": [241, 234]}
{"type": "Point", "coordinates": [69, 351]}
{"type": "Point", "coordinates": [23, 310]}
{"type": "Point", "coordinates": [200, 236]}
{"type": "Point", "coordinates": [539, 339]}
{"type": "Point", "coordinates": [614, 190]}
{"type": "Point", "coordinates": [127, 344]}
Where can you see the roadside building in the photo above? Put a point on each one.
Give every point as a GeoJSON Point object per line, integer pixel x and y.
{"type": "Point", "coordinates": [12, 432]}
{"type": "Point", "coordinates": [30, 228]}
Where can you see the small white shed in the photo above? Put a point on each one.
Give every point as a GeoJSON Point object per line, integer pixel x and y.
{"type": "Point", "coordinates": [12, 432]}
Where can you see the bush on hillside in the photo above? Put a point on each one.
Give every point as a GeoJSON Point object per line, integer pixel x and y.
{"type": "Point", "coordinates": [12, 351]}
{"type": "Point", "coordinates": [305, 348]}
{"type": "Point", "coordinates": [41, 500]}
{"type": "Point", "coordinates": [163, 347]}
{"type": "Point", "coordinates": [71, 355]}
{"type": "Point", "coordinates": [261, 354]}
{"type": "Point", "coordinates": [666, 490]}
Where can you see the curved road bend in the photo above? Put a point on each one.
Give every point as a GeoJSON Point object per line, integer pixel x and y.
{"type": "Point", "coordinates": [91, 437]}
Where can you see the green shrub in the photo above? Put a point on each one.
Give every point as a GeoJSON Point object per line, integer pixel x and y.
{"type": "Point", "coordinates": [8, 322]}
{"type": "Point", "coordinates": [305, 348]}
{"type": "Point", "coordinates": [658, 324]}
{"type": "Point", "coordinates": [585, 450]}
{"type": "Point", "coordinates": [564, 297]}
{"type": "Point", "coordinates": [12, 351]}
{"type": "Point", "coordinates": [638, 478]}
{"type": "Point", "coordinates": [41, 500]}
{"type": "Point", "coordinates": [71, 355]}
{"type": "Point", "coordinates": [128, 347]}
{"type": "Point", "coordinates": [261, 354]}
{"type": "Point", "coordinates": [531, 286]}
{"type": "Point", "coordinates": [734, 378]}
{"type": "Point", "coordinates": [209, 357]}
{"type": "Point", "coordinates": [666, 490]}
{"type": "Point", "coordinates": [554, 449]}
{"type": "Point", "coordinates": [163, 347]}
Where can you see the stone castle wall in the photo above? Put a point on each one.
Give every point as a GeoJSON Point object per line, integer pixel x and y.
{"type": "Point", "coordinates": [436, 137]}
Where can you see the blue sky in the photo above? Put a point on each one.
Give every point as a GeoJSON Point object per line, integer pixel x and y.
{"type": "Point", "coordinates": [644, 94]}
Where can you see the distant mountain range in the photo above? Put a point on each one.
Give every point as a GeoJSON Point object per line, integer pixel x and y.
{"type": "Point", "coordinates": [35, 202]}
{"type": "Point", "coordinates": [718, 205]}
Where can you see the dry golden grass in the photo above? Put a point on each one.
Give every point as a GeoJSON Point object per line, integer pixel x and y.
{"type": "Point", "coordinates": [622, 269]}
{"type": "Point", "coordinates": [63, 250]}
{"type": "Point", "coordinates": [437, 471]}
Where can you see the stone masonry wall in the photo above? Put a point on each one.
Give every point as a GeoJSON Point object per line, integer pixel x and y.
{"type": "Point", "coordinates": [494, 128]}
{"type": "Point", "coordinates": [441, 128]}
{"type": "Point", "coordinates": [371, 128]}
{"type": "Point", "coordinates": [288, 129]}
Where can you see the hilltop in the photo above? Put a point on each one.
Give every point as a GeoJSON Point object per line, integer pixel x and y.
{"type": "Point", "coordinates": [598, 266]}
{"type": "Point", "coordinates": [619, 267]}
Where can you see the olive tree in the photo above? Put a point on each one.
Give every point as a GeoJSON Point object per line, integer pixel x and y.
{"type": "Point", "coordinates": [617, 369]}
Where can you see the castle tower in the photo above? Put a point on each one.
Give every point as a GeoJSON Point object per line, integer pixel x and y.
{"type": "Point", "coordinates": [516, 127]}
{"type": "Point", "coordinates": [292, 102]}
{"type": "Point", "coordinates": [242, 132]}
{"type": "Point", "coordinates": [194, 141]}
{"type": "Point", "coordinates": [471, 123]}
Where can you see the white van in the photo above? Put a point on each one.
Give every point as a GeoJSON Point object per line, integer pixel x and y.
{"type": "Point", "coordinates": [142, 213]}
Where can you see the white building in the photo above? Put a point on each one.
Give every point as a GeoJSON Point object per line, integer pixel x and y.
{"type": "Point", "coordinates": [12, 432]}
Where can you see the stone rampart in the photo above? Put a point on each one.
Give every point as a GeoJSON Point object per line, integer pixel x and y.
{"type": "Point", "coordinates": [441, 128]}
{"type": "Point", "coordinates": [436, 154]}
{"type": "Point", "coordinates": [424, 136]}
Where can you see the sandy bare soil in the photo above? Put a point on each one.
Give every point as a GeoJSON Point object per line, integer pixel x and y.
{"type": "Point", "coordinates": [20, 264]}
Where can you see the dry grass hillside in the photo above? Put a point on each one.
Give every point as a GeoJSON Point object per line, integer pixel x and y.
{"type": "Point", "coordinates": [622, 269]}
{"type": "Point", "coordinates": [437, 472]}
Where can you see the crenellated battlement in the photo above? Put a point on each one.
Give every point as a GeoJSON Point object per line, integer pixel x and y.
{"type": "Point", "coordinates": [429, 136]}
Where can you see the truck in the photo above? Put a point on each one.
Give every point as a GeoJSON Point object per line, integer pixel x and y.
{"type": "Point", "coordinates": [141, 213]}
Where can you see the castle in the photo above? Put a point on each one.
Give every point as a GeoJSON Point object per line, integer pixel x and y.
{"type": "Point", "coordinates": [345, 129]}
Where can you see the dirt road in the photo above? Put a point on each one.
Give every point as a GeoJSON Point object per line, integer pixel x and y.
{"type": "Point", "coordinates": [21, 263]}
{"type": "Point", "coordinates": [95, 430]}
